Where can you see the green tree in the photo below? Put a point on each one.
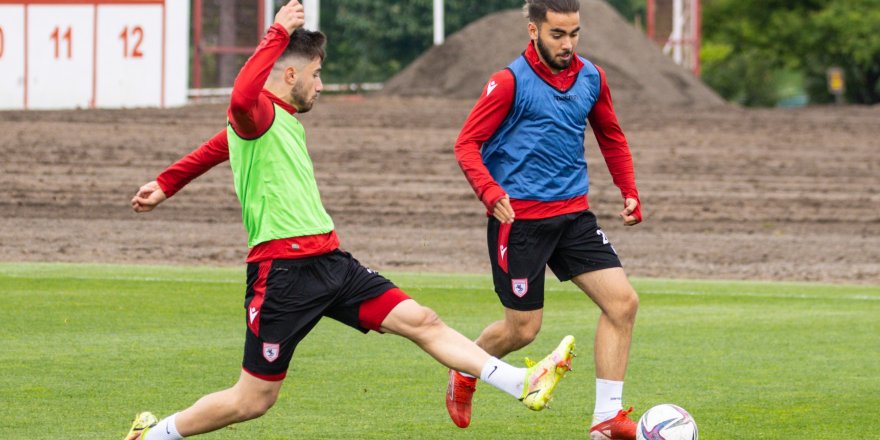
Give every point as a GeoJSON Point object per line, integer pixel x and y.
{"type": "Point", "coordinates": [845, 34]}
{"type": "Point", "coordinates": [373, 40]}
{"type": "Point", "coordinates": [630, 9]}
{"type": "Point", "coordinates": [750, 46]}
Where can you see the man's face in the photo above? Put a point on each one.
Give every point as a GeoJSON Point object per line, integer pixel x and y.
{"type": "Point", "coordinates": [307, 86]}
{"type": "Point", "coordinates": [556, 38]}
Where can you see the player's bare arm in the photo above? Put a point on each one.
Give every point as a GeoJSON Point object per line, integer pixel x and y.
{"type": "Point", "coordinates": [292, 16]}
{"type": "Point", "coordinates": [627, 214]}
{"type": "Point", "coordinates": [148, 197]}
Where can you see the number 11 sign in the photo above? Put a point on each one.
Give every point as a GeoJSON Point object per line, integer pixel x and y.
{"type": "Point", "coordinates": [57, 54]}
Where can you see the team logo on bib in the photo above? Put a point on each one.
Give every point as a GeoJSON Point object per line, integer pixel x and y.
{"type": "Point", "coordinates": [520, 286]}
{"type": "Point", "coordinates": [270, 351]}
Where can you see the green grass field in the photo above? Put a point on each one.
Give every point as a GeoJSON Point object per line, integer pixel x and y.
{"type": "Point", "coordinates": [84, 347]}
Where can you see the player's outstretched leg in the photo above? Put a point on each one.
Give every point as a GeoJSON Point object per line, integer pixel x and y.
{"type": "Point", "coordinates": [542, 377]}
{"type": "Point", "coordinates": [141, 424]}
{"type": "Point", "coordinates": [459, 395]}
{"type": "Point", "coordinates": [619, 427]}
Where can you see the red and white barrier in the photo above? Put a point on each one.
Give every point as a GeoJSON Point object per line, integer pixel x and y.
{"type": "Point", "coordinates": [57, 54]}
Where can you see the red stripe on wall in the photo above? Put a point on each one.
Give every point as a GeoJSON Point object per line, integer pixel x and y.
{"type": "Point", "coordinates": [93, 102]}
{"type": "Point", "coordinates": [25, 57]}
{"type": "Point", "coordinates": [81, 2]}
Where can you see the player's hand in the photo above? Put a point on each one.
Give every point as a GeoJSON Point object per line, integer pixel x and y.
{"type": "Point", "coordinates": [629, 219]}
{"type": "Point", "coordinates": [148, 197]}
{"type": "Point", "coordinates": [292, 16]}
{"type": "Point", "coordinates": [503, 211]}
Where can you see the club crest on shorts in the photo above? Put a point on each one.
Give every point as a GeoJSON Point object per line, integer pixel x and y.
{"type": "Point", "coordinates": [271, 351]}
{"type": "Point", "coordinates": [520, 286]}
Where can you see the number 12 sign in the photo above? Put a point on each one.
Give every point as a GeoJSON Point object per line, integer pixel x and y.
{"type": "Point", "coordinates": [57, 54]}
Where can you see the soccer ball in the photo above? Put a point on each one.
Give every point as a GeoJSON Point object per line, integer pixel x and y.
{"type": "Point", "coordinates": [666, 422]}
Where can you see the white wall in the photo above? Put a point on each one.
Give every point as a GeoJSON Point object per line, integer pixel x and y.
{"type": "Point", "coordinates": [96, 53]}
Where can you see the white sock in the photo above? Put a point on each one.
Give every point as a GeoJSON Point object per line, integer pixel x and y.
{"type": "Point", "coordinates": [609, 399]}
{"type": "Point", "coordinates": [504, 376]}
{"type": "Point", "coordinates": [166, 429]}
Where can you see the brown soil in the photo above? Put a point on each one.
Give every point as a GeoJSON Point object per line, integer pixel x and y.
{"type": "Point", "coordinates": [727, 193]}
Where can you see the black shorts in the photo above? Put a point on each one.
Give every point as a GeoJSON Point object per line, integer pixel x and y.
{"type": "Point", "coordinates": [571, 244]}
{"type": "Point", "coordinates": [285, 299]}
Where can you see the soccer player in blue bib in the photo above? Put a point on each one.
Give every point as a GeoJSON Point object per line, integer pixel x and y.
{"type": "Point", "coordinates": [522, 151]}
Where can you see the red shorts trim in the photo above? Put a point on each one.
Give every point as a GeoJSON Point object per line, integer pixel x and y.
{"type": "Point", "coordinates": [503, 237]}
{"type": "Point", "coordinates": [374, 310]}
{"type": "Point", "coordinates": [256, 305]}
{"type": "Point", "coordinates": [267, 377]}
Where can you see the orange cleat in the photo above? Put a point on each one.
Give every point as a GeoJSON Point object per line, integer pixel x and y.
{"type": "Point", "coordinates": [619, 427]}
{"type": "Point", "coordinates": [459, 395]}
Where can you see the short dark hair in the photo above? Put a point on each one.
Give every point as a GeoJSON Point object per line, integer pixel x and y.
{"type": "Point", "coordinates": [306, 44]}
{"type": "Point", "coordinates": [536, 10]}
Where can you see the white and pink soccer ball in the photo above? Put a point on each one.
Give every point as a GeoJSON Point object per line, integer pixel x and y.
{"type": "Point", "coordinates": [666, 422]}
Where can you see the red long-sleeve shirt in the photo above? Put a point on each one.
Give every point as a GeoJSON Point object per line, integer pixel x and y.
{"type": "Point", "coordinates": [492, 108]}
{"type": "Point", "coordinates": [251, 112]}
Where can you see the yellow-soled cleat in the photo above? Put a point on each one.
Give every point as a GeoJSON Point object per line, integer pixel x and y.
{"type": "Point", "coordinates": [141, 424]}
{"type": "Point", "coordinates": [542, 377]}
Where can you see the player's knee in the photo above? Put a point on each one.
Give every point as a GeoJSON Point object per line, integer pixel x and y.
{"type": "Point", "coordinates": [631, 306]}
{"type": "Point", "coordinates": [255, 407]}
{"type": "Point", "coordinates": [626, 307]}
{"type": "Point", "coordinates": [413, 321]}
{"type": "Point", "coordinates": [523, 335]}
{"type": "Point", "coordinates": [251, 404]}
{"type": "Point", "coordinates": [423, 325]}
{"type": "Point", "coordinates": [426, 318]}
{"type": "Point", "coordinates": [522, 338]}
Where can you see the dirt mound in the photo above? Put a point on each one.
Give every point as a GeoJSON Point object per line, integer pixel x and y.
{"type": "Point", "coordinates": [638, 73]}
{"type": "Point", "coordinates": [775, 194]}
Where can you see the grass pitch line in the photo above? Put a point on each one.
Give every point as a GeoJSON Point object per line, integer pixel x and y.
{"type": "Point", "coordinates": [418, 281]}
{"type": "Point", "coordinates": [651, 292]}
{"type": "Point", "coordinates": [486, 287]}
{"type": "Point", "coordinates": [129, 278]}
{"type": "Point", "coordinates": [762, 295]}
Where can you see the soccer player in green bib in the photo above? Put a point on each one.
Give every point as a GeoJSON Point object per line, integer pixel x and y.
{"type": "Point", "coordinates": [296, 272]}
